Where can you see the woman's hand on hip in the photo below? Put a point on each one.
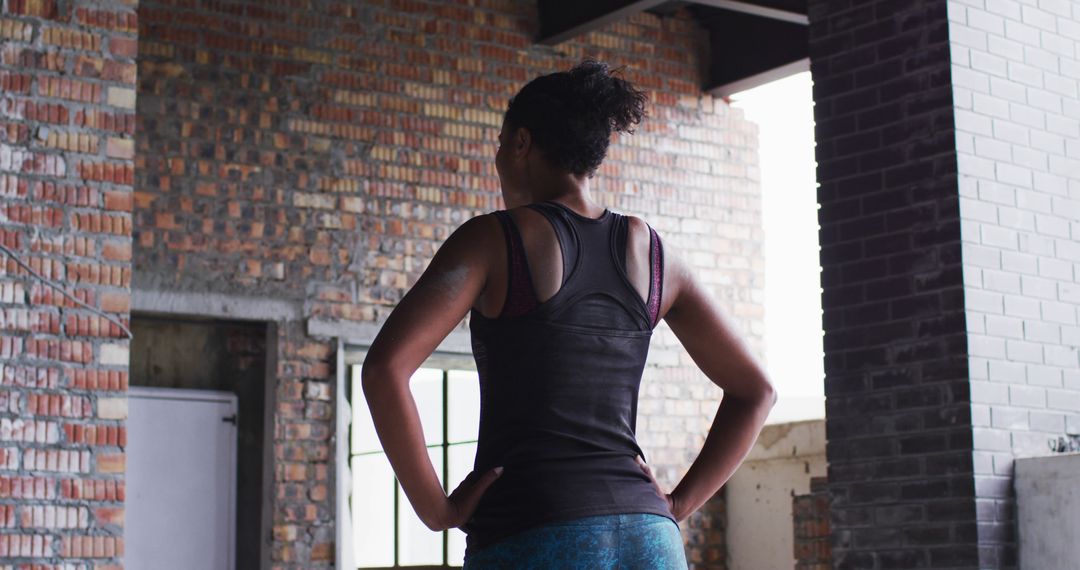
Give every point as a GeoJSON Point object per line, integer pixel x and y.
{"type": "Point", "coordinates": [672, 504]}
{"type": "Point", "coordinates": [463, 500]}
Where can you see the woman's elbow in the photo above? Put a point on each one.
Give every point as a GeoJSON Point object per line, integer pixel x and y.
{"type": "Point", "coordinates": [433, 524]}
{"type": "Point", "coordinates": [768, 392]}
{"type": "Point", "coordinates": [379, 383]}
{"type": "Point", "coordinates": [372, 378]}
{"type": "Point", "coordinates": [762, 393]}
{"type": "Point", "coordinates": [774, 396]}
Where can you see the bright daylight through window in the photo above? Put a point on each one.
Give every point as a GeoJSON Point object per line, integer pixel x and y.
{"type": "Point", "coordinates": [386, 530]}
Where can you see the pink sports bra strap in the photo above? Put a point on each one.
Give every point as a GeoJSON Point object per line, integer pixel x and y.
{"type": "Point", "coordinates": [520, 294]}
{"type": "Point", "coordinates": [656, 288]}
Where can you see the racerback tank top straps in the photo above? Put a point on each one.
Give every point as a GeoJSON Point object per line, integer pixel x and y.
{"type": "Point", "coordinates": [559, 384]}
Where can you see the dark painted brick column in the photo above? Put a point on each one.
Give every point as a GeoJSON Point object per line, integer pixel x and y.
{"type": "Point", "coordinates": [897, 382]}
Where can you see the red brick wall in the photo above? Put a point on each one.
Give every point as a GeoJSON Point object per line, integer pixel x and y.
{"type": "Point", "coordinates": [705, 535]}
{"type": "Point", "coordinates": [67, 104]}
{"type": "Point", "coordinates": [811, 526]}
{"type": "Point", "coordinates": [321, 153]}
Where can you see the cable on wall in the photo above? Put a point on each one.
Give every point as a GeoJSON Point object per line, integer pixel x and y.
{"type": "Point", "coordinates": [58, 287]}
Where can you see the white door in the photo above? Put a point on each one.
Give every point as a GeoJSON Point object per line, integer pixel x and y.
{"type": "Point", "coordinates": [181, 480]}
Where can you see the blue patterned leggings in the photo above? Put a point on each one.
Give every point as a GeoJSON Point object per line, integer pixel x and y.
{"type": "Point", "coordinates": [637, 541]}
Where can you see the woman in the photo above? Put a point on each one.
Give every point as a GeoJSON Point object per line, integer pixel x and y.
{"type": "Point", "coordinates": [563, 296]}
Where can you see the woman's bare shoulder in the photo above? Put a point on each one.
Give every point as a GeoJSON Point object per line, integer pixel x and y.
{"type": "Point", "coordinates": [476, 231]}
{"type": "Point", "coordinates": [675, 271]}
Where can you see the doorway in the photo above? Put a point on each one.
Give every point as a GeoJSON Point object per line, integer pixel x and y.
{"type": "Point", "coordinates": [181, 479]}
{"type": "Point", "coordinates": [194, 357]}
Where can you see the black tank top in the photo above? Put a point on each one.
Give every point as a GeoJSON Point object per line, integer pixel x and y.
{"type": "Point", "coordinates": [559, 383]}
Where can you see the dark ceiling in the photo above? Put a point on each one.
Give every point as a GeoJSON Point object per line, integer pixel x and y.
{"type": "Point", "coordinates": [752, 42]}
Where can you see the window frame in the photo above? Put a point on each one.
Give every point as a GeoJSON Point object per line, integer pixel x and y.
{"type": "Point", "coordinates": [454, 353]}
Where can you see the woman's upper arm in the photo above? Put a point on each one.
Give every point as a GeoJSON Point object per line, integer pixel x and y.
{"type": "Point", "coordinates": [708, 335]}
{"type": "Point", "coordinates": [439, 300]}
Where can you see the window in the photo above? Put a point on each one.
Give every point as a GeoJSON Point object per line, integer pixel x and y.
{"type": "Point", "coordinates": [386, 531]}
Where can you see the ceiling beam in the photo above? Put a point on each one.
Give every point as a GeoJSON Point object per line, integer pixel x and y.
{"type": "Point", "coordinates": [757, 10]}
{"type": "Point", "coordinates": [749, 50]}
{"type": "Point", "coordinates": [561, 20]}
{"type": "Point", "coordinates": [760, 79]}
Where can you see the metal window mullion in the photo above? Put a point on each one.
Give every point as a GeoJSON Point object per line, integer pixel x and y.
{"type": "Point", "coordinates": [446, 458]}
{"type": "Point", "coordinates": [397, 526]}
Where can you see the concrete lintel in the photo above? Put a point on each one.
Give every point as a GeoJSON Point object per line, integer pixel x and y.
{"type": "Point", "coordinates": [350, 332]}
{"type": "Point", "coordinates": [791, 440]}
{"type": "Point", "coordinates": [215, 305]}
{"type": "Point", "coordinates": [360, 335]}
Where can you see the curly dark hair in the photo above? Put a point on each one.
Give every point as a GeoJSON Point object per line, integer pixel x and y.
{"type": "Point", "coordinates": [571, 114]}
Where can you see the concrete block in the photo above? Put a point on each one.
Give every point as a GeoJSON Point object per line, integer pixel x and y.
{"type": "Point", "coordinates": [121, 97]}
{"type": "Point", "coordinates": [114, 354]}
{"type": "Point", "coordinates": [112, 408]}
{"type": "Point", "coordinates": [1048, 510]}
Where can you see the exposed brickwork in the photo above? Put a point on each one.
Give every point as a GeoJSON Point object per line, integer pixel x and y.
{"type": "Point", "coordinates": [322, 154]}
{"type": "Point", "coordinates": [1016, 67]}
{"type": "Point", "coordinates": [810, 520]}
{"type": "Point", "coordinates": [65, 208]}
{"type": "Point", "coordinates": [705, 533]}
{"type": "Point", "coordinates": [897, 392]}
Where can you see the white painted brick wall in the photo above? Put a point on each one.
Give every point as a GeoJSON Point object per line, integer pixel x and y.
{"type": "Point", "coordinates": [1016, 68]}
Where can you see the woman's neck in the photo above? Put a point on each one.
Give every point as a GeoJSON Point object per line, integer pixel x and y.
{"type": "Point", "coordinates": [565, 188]}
